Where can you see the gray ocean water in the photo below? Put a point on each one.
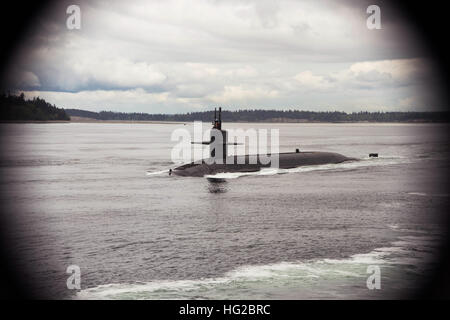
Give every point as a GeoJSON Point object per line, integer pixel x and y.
{"type": "Point", "coordinates": [81, 194]}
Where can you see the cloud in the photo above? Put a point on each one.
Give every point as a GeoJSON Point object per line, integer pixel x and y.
{"type": "Point", "coordinates": [98, 100]}
{"type": "Point", "coordinates": [401, 71]}
{"type": "Point", "coordinates": [233, 94]}
{"type": "Point", "coordinates": [177, 55]}
{"type": "Point", "coordinates": [25, 79]}
{"type": "Point", "coordinates": [307, 80]}
{"type": "Point", "coordinates": [115, 73]}
{"type": "Point", "coordinates": [371, 75]}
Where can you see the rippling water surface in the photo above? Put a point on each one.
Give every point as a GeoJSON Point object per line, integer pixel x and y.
{"type": "Point", "coordinates": [98, 196]}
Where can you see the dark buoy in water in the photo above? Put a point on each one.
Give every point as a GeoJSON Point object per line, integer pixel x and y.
{"type": "Point", "coordinates": [170, 172]}
{"type": "Point", "coordinates": [235, 163]}
{"type": "Point", "coordinates": [373, 155]}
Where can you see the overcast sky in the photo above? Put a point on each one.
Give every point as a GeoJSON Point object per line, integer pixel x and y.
{"type": "Point", "coordinates": [183, 56]}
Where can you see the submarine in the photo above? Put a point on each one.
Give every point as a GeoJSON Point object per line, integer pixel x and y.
{"type": "Point", "coordinates": [248, 163]}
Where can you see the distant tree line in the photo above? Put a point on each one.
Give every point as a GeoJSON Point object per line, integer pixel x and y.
{"type": "Point", "coordinates": [17, 108]}
{"type": "Point", "coordinates": [270, 116]}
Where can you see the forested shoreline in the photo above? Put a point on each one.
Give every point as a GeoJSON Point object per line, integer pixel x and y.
{"type": "Point", "coordinates": [269, 116]}
{"type": "Point", "coordinates": [17, 108]}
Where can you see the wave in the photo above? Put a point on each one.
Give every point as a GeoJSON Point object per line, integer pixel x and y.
{"type": "Point", "coordinates": [423, 194]}
{"type": "Point", "coordinates": [164, 171]}
{"type": "Point", "coordinates": [155, 173]}
{"type": "Point", "coordinates": [400, 265]}
{"type": "Point", "coordinates": [348, 165]}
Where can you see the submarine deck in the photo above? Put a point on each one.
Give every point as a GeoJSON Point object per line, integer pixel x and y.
{"type": "Point", "coordinates": [242, 163]}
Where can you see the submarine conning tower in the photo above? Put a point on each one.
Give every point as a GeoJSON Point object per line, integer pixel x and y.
{"type": "Point", "coordinates": [286, 160]}
{"type": "Point", "coordinates": [218, 132]}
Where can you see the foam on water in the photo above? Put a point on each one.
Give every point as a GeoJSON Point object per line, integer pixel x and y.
{"type": "Point", "coordinates": [154, 173]}
{"type": "Point", "coordinates": [423, 194]}
{"type": "Point", "coordinates": [348, 165]}
{"type": "Point", "coordinates": [285, 280]}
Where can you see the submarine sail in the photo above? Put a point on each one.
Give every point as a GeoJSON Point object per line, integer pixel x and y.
{"type": "Point", "coordinates": [224, 163]}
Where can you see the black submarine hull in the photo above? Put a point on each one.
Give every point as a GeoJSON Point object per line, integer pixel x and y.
{"type": "Point", "coordinates": [242, 163]}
